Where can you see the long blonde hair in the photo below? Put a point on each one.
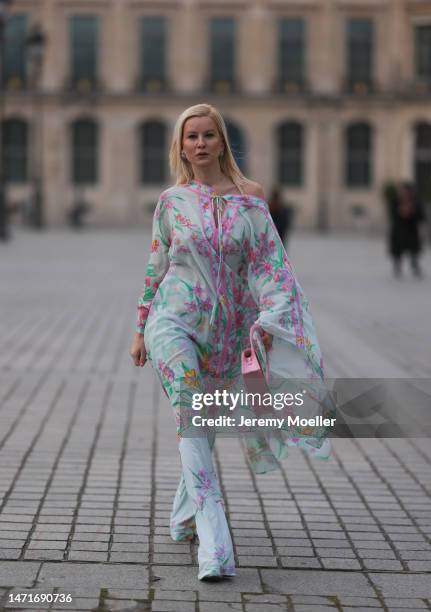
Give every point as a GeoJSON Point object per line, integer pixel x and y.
{"type": "Point", "coordinates": [182, 169]}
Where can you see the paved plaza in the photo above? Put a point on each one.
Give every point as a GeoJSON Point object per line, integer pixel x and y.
{"type": "Point", "coordinates": [89, 461]}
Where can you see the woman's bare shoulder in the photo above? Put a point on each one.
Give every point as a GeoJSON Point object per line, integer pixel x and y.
{"type": "Point", "coordinates": [253, 189]}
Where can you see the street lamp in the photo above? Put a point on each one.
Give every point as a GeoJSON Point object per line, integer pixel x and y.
{"type": "Point", "coordinates": [4, 230]}
{"type": "Point", "coordinates": [35, 45]}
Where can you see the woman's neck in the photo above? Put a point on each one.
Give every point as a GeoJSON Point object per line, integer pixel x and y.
{"type": "Point", "coordinates": [213, 177]}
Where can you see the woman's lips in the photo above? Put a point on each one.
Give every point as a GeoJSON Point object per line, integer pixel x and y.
{"type": "Point", "coordinates": [202, 154]}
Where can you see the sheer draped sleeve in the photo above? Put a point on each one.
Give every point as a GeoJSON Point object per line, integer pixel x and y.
{"type": "Point", "coordinates": [284, 309]}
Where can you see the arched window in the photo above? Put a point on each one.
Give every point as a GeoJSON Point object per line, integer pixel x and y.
{"type": "Point", "coordinates": [358, 155]}
{"type": "Point", "coordinates": [152, 143]}
{"type": "Point", "coordinates": [290, 144]}
{"type": "Point", "coordinates": [236, 140]}
{"type": "Point", "coordinates": [14, 148]}
{"type": "Point", "coordinates": [85, 150]}
{"type": "Point", "coordinates": [423, 160]}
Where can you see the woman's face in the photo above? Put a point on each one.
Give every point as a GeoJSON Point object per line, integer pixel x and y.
{"type": "Point", "coordinates": [202, 143]}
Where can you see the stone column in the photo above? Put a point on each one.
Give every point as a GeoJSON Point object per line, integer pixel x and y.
{"type": "Point", "coordinates": [256, 50]}
{"type": "Point", "coordinates": [119, 49]}
{"type": "Point", "coordinates": [329, 170]}
{"type": "Point", "coordinates": [188, 48]}
{"type": "Point", "coordinates": [396, 43]}
{"type": "Point", "coordinates": [325, 62]}
{"type": "Point", "coordinates": [53, 75]}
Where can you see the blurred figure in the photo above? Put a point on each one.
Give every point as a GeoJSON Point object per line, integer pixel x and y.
{"type": "Point", "coordinates": [405, 215]}
{"type": "Point", "coordinates": [76, 215]}
{"type": "Point", "coordinates": [281, 214]}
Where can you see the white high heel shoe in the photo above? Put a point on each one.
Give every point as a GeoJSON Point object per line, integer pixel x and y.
{"type": "Point", "coordinates": [323, 452]}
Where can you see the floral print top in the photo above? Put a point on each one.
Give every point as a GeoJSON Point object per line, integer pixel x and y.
{"type": "Point", "coordinates": [216, 267]}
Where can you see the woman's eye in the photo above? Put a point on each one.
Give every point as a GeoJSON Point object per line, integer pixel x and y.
{"type": "Point", "coordinates": [194, 136]}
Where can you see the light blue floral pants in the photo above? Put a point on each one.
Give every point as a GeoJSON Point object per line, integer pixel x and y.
{"type": "Point", "coordinates": [198, 504]}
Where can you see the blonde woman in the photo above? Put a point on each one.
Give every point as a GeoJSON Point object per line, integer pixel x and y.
{"type": "Point", "coordinates": [217, 266]}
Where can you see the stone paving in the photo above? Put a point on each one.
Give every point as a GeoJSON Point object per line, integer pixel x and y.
{"type": "Point", "coordinates": [89, 460]}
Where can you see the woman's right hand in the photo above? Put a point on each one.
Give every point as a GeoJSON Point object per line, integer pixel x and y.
{"type": "Point", "coordinates": [138, 351]}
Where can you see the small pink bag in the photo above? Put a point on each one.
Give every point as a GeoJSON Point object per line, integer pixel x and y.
{"type": "Point", "coordinates": [255, 379]}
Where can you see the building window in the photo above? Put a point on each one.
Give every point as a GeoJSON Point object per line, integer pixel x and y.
{"type": "Point", "coordinates": [423, 53]}
{"type": "Point", "coordinates": [152, 141]}
{"type": "Point", "coordinates": [14, 64]}
{"type": "Point", "coordinates": [83, 31]}
{"type": "Point", "coordinates": [423, 161]}
{"type": "Point", "coordinates": [236, 140]}
{"type": "Point", "coordinates": [360, 47]}
{"type": "Point", "coordinates": [222, 54]}
{"type": "Point", "coordinates": [358, 149]}
{"type": "Point", "coordinates": [291, 54]}
{"type": "Point", "coordinates": [85, 148]}
{"type": "Point", "coordinates": [14, 148]}
{"type": "Point", "coordinates": [152, 36]}
{"type": "Point", "coordinates": [290, 154]}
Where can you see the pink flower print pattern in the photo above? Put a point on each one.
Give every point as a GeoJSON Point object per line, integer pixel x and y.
{"type": "Point", "coordinates": [223, 558]}
{"type": "Point", "coordinates": [142, 314]}
{"type": "Point", "coordinates": [206, 305]}
{"type": "Point", "coordinates": [166, 371]}
{"type": "Point", "coordinates": [205, 486]}
{"type": "Point", "coordinates": [183, 220]}
{"type": "Point", "coordinates": [191, 306]}
{"type": "Point", "coordinates": [197, 290]}
{"type": "Point", "coordinates": [202, 248]}
{"type": "Point", "coordinates": [266, 302]}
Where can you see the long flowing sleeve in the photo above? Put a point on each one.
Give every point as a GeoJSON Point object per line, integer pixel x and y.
{"type": "Point", "coordinates": [284, 309]}
{"type": "Point", "coordinates": [158, 263]}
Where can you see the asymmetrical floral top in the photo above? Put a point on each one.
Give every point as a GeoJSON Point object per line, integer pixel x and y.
{"type": "Point", "coordinates": [217, 266]}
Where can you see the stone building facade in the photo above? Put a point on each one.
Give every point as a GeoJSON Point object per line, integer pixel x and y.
{"type": "Point", "coordinates": [329, 99]}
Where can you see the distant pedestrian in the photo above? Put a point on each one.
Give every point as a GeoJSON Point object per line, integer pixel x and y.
{"type": "Point", "coordinates": [77, 214]}
{"type": "Point", "coordinates": [281, 214]}
{"type": "Point", "coordinates": [405, 213]}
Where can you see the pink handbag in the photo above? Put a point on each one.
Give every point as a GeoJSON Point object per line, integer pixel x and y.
{"type": "Point", "coordinates": [255, 379]}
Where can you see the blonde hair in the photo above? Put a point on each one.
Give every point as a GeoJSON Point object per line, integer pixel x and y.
{"type": "Point", "coordinates": [182, 169]}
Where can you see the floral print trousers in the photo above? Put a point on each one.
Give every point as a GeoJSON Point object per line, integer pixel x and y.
{"type": "Point", "coordinates": [198, 504]}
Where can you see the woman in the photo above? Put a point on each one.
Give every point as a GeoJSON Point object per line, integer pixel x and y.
{"type": "Point", "coordinates": [217, 265]}
{"type": "Point", "coordinates": [281, 215]}
{"type": "Point", "coordinates": [405, 216]}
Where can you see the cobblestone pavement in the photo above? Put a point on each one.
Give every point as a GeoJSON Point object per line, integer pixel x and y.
{"type": "Point", "coordinates": [89, 460]}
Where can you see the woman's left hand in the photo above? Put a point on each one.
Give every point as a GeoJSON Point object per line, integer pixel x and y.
{"type": "Point", "coordinates": [267, 340]}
